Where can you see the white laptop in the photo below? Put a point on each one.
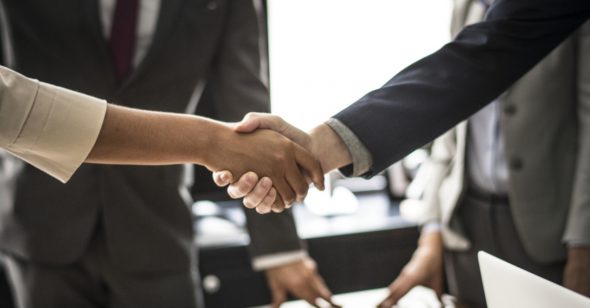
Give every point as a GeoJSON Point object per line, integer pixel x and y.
{"type": "Point", "coordinates": [506, 285]}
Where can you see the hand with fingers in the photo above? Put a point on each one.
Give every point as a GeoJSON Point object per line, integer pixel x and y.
{"type": "Point", "coordinates": [425, 268]}
{"type": "Point", "coordinates": [260, 192]}
{"type": "Point", "coordinates": [268, 154]}
{"type": "Point", "coordinates": [299, 279]}
{"type": "Point", "coordinates": [576, 275]}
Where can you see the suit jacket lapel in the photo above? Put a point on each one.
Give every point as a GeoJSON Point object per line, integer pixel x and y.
{"type": "Point", "coordinates": [169, 12]}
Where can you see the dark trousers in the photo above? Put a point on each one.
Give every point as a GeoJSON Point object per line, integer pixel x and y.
{"type": "Point", "coordinates": [488, 224]}
{"type": "Point", "coordinates": [94, 282]}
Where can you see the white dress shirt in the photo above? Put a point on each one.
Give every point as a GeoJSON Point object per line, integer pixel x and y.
{"type": "Point", "coordinates": [146, 24]}
{"type": "Point", "coordinates": [486, 161]}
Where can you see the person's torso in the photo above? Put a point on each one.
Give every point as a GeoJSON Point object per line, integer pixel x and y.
{"type": "Point", "coordinates": [144, 215]}
{"type": "Point", "coordinates": [538, 121]}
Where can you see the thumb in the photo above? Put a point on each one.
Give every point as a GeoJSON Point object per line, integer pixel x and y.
{"type": "Point", "coordinates": [253, 121]}
{"type": "Point", "coordinates": [222, 178]}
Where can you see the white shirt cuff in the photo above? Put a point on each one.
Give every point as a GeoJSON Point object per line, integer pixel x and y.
{"type": "Point", "coordinates": [269, 261]}
{"type": "Point", "coordinates": [431, 227]}
{"type": "Point", "coordinates": [577, 244]}
{"type": "Point", "coordinates": [361, 157]}
{"type": "Point", "coordinates": [60, 131]}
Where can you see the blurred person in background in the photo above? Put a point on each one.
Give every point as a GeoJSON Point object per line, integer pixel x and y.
{"type": "Point", "coordinates": [122, 236]}
{"type": "Point", "coordinates": [513, 180]}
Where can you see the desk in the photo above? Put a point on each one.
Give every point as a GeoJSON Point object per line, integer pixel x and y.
{"type": "Point", "coordinates": [418, 297]}
{"type": "Point", "coordinates": [356, 252]}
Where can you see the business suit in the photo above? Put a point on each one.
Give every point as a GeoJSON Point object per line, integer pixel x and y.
{"type": "Point", "coordinates": [136, 215]}
{"type": "Point", "coordinates": [454, 82]}
{"type": "Point", "coordinates": [545, 125]}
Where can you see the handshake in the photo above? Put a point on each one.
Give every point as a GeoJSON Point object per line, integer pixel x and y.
{"type": "Point", "coordinates": [271, 164]}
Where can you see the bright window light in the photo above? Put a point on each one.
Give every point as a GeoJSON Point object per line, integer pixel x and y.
{"type": "Point", "coordinates": [325, 54]}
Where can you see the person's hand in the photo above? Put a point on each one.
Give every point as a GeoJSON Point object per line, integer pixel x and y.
{"type": "Point", "coordinates": [257, 194]}
{"type": "Point", "coordinates": [322, 142]}
{"type": "Point", "coordinates": [576, 276]}
{"type": "Point", "coordinates": [253, 121]}
{"type": "Point", "coordinates": [300, 279]}
{"type": "Point", "coordinates": [425, 268]}
{"type": "Point", "coordinates": [261, 195]}
{"type": "Point", "coordinates": [267, 153]}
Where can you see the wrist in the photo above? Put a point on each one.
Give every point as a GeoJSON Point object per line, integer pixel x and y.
{"type": "Point", "coordinates": [328, 148]}
{"type": "Point", "coordinates": [431, 240]}
{"type": "Point", "coordinates": [578, 251]}
{"type": "Point", "coordinates": [211, 139]}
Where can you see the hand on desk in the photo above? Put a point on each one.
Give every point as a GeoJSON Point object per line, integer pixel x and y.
{"type": "Point", "coordinates": [425, 268]}
{"type": "Point", "coordinates": [258, 192]}
{"type": "Point", "coordinates": [576, 276]}
{"type": "Point", "coordinates": [300, 279]}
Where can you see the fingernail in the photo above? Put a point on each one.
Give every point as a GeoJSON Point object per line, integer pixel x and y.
{"type": "Point", "coordinates": [265, 182]}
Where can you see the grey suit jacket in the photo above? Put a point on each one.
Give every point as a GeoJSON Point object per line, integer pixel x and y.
{"type": "Point", "coordinates": [546, 124]}
{"type": "Point", "coordinates": [148, 228]}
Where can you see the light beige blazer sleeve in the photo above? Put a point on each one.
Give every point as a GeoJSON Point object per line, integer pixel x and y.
{"type": "Point", "coordinates": [578, 224]}
{"type": "Point", "coordinates": [49, 127]}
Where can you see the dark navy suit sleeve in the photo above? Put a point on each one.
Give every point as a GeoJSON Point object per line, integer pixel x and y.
{"type": "Point", "coordinates": [437, 92]}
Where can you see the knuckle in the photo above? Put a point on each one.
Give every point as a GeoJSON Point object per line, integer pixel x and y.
{"type": "Point", "coordinates": [299, 283]}
{"type": "Point", "coordinates": [308, 274]}
{"type": "Point", "coordinates": [280, 157]}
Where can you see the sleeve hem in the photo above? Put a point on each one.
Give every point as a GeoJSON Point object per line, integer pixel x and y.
{"type": "Point", "coordinates": [269, 261]}
{"type": "Point", "coordinates": [60, 131]}
{"type": "Point", "coordinates": [362, 160]}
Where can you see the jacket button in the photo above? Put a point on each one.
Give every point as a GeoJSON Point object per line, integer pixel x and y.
{"type": "Point", "coordinates": [211, 284]}
{"type": "Point", "coordinates": [516, 164]}
{"type": "Point", "coordinates": [509, 109]}
{"type": "Point", "coordinates": [212, 5]}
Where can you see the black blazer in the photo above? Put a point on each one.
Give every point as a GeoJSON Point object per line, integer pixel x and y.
{"type": "Point", "coordinates": [146, 222]}
{"type": "Point", "coordinates": [432, 95]}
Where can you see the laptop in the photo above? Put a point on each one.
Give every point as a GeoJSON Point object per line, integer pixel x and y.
{"type": "Point", "coordinates": [506, 285]}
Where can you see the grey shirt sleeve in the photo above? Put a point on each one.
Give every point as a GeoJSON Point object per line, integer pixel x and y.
{"type": "Point", "coordinates": [362, 161]}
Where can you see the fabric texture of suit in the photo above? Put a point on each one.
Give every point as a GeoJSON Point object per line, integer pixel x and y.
{"type": "Point", "coordinates": [546, 125]}
{"type": "Point", "coordinates": [147, 225]}
{"type": "Point", "coordinates": [454, 82]}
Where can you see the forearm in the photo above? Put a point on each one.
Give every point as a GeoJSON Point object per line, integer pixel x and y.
{"type": "Point", "coordinates": [131, 136]}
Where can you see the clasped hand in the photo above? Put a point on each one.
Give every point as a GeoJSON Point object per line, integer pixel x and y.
{"type": "Point", "coordinates": [256, 148]}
